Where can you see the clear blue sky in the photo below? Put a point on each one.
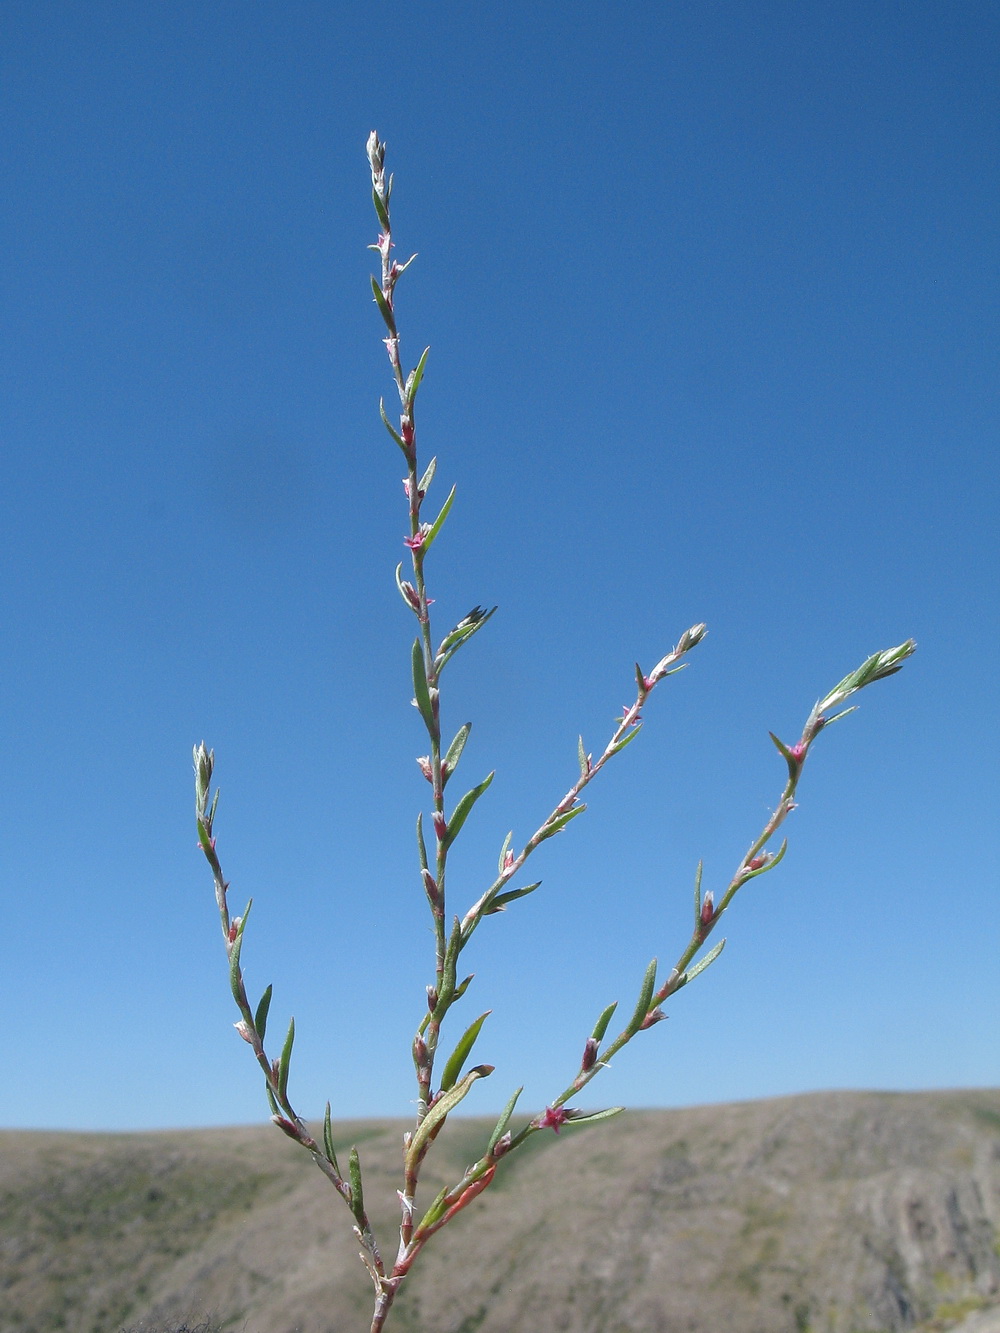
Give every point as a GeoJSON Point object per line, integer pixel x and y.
{"type": "Point", "coordinates": [711, 292]}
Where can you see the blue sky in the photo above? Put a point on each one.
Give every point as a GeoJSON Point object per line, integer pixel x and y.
{"type": "Point", "coordinates": [711, 294]}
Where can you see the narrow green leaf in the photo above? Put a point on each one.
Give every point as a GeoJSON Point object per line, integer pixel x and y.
{"type": "Point", "coordinates": [446, 995]}
{"type": "Point", "coordinates": [285, 1060]}
{"type": "Point", "coordinates": [697, 894]}
{"type": "Point", "coordinates": [421, 845]}
{"type": "Point", "coordinates": [627, 739]}
{"type": "Point", "coordinates": [461, 1052]}
{"type": "Point", "coordinates": [462, 987]}
{"type": "Point", "coordinates": [560, 822]}
{"type": "Point", "coordinates": [456, 747]}
{"type": "Point", "coordinates": [461, 812]}
{"type": "Point", "coordinates": [707, 961]}
{"type": "Point", "coordinates": [331, 1156]}
{"type": "Point", "coordinates": [768, 865]}
{"type": "Point", "coordinates": [391, 428]}
{"type": "Point", "coordinates": [424, 484]}
{"type": "Point", "coordinates": [502, 899]}
{"type": "Point", "coordinates": [436, 1211]}
{"type": "Point", "coordinates": [421, 691]}
{"type": "Point", "coordinates": [462, 632]}
{"type": "Point", "coordinates": [380, 213]}
{"type": "Point", "coordinates": [581, 755]}
{"type": "Point", "coordinates": [601, 1026]}
{"type": "Point", "coordinates": [504, 850]}
{"type": "Point", "coordinates": [645, 995]}
{"type": "Point", "coordinates": [275, 1108]}
{"type": "Point", "coordinates": [589, 1117]}
{"type": "Point", "coordinates": [357, 1193]}
{"type": "Point", "coordinates": [435, 527]}
{"type": "Point", "coordinates": [260, 1018]}
{"type": "Point", "coordinates": [503, 1122]}
{"type": "Point", "coordinates": [413, 382]}
{"type": "Point", "coordinates": [234, 955]}
{"type": "Point", "coordinates": [794, 766]}
{"type": "Point", "coordinates": [383, 306]}
{"type": "Point", "coordinates": [440, 1111]}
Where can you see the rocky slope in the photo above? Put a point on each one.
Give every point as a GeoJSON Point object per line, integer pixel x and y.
{"type": "Point", "coordinates": [828, 1213]}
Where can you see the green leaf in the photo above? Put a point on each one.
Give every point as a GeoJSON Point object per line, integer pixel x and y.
{"type": "Point", "coordinates": [357, 1193]}
{"type": "Point", "coordinates": [435, 527]}
{"type": "Point", "coordinates": [420, 688]}
{"type": "Point", "coordinates": [424, 483]}
{"type": "Point", "coordinates": [502, 899]}
{"type": "Point", "coordinates": [421, 845]}
{"type": "Point", "coordinates": [436, 1211]}
{"type": "Point", "coordinates": [285, 1060]}
{"type": "Point", "coordinates": [275, 1108]}
{"type": "Point", "coordinates": [697, 894]}
{"type": "Point", "coordinates": [446, 994]}
{"type": "Point", "coordinates": [504, 850]}
{"type": "Point", "coordinates": [707, 961]}
{"type": "Point", "coordinates": [461, 812]}
{"type": "Point", "coordinates": [462, 987]}
{"type": "Point", "coordinates": [331, 1156]}
{"type": "Point", "coordinates": [463, 631]}
{"type": "Point", "coordinates": [461, 1052]}
{"type": "Point", "coordinates": [503, 1122]}
{"type": "Point", "coordinates": [234, 955]}
{"type": "Point", "coordinates": [601, 1026]}
{"type": "Point", "coordinates": [441, 1109]}
{"type": "Point", "coordinates": [768, 865]}
{"type": "Point", "coordinates": [456, 747]}
{"type": "Point", "coordinates": [260, 1018]}
{"type": "Point", "coordinates": [399, 584]}
{"type": "Point", "coordinates": [627, 739]}
{"type": "Point", "coordinates": [581, 755]}
{"type": "Point", "coordinates": [384, 308]}
{"type": "Point", "coordinates": [391, 428]}
{"type": "Point", "coordinates": [380, 211]}
{"type": "Point", "coordinates": [559, 823]}
{"type": "Point", "coordinates": [645, 995]}
{"type": "Point", "coordinates": [416, 375]}
{"type": "Point", "coordinates": [589, 1117]}
{"type": "Point", "coordinates": [794, 765]}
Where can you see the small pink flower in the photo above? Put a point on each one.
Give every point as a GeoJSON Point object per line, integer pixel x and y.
{"type": "Point", "coordinates": [798, 751]}
{"type": "Point", "coordinates": [415, 542]}
{"type": "Point", "coordinates": [707, 909]}
{"type": "Point", "coordinates": [406, 431]}
{"type": "Point", "coordinates": [759, 861]}
{"type": "Point", "coordinates": [553, 1118]}
{"type": "Point", "coordinates": [425, 767]}
{"type": "Point", "coordinates": [508, 862]}
{"type": "Point", "coordinates": [440, 825]}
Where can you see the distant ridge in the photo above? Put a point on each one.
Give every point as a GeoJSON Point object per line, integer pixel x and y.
{"type": "Point", "coordinates": [833, 1212]}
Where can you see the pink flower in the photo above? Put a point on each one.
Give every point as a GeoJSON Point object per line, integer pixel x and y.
{"type": "Point", "coordinates": [707, 909]}
{"type": "Point", "coordinates": [553, 1118]}
{"type": "Point", "coordinates": [415, 542]}
{"type": "Point", "coordinates": [798, 751]}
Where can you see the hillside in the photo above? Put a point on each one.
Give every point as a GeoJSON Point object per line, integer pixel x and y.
{"type": "Point", "coordinates": [827, 1213]}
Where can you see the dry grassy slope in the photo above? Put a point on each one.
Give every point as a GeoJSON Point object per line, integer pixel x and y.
{"type": "Point", "coordinates": [834, 1213]}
